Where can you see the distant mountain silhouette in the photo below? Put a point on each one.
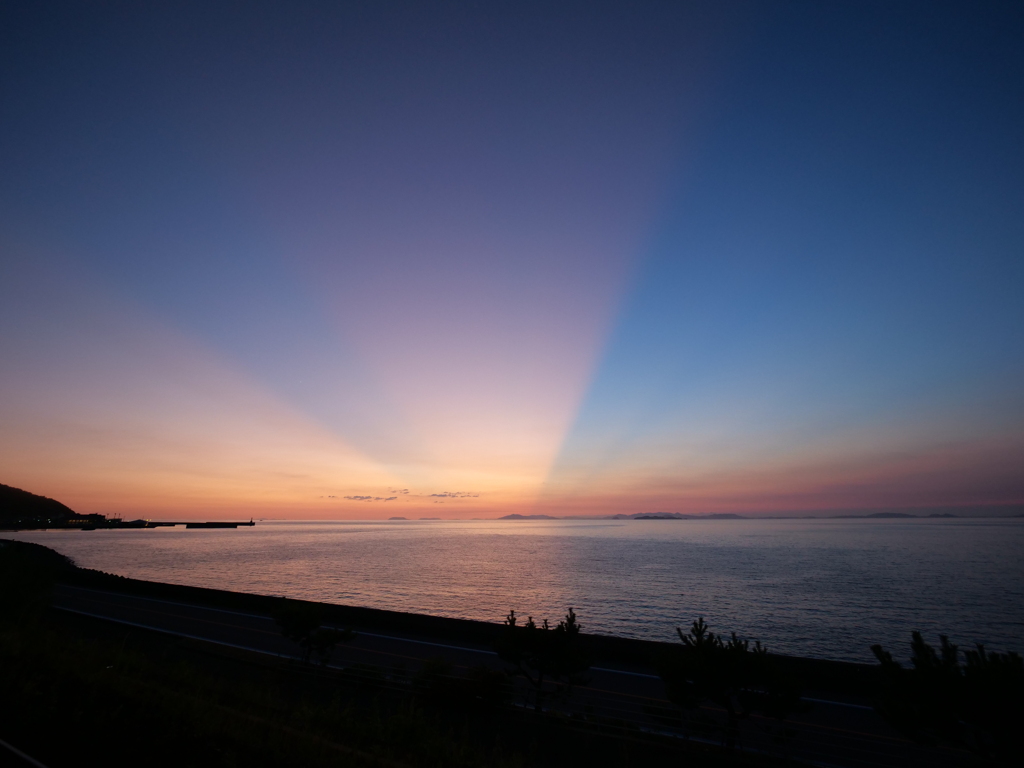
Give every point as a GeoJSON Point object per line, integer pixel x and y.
{"type": "Point", "coordinates": [881, 516]}
{"type": "Point", "coordinates": [21, 509]}
{"type": "Point", "coordinates": [676, 516]}
{"type": "Point", "coordinates": [398, 518]}
{"type": "Point", "coordinates": [527, 517]}
{"type": "Point", "coordinates": [653, 516]}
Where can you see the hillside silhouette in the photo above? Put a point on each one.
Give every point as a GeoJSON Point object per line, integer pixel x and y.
{"type": "Point", "coordinates": [21, 509]}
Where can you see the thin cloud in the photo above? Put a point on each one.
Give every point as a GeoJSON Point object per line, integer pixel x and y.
{"type": "Point", "coordinates": [455, 495]}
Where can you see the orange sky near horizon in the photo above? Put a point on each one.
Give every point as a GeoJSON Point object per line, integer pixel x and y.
{"type": "Point", "coordinates": [367, 261]}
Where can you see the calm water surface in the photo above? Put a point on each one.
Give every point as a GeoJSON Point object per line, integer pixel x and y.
{"type": "Point", "coordinates": [824, 588]}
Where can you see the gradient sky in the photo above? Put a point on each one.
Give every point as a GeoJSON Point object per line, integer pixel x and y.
{"type": "Point", "coordinates": [329, 260]}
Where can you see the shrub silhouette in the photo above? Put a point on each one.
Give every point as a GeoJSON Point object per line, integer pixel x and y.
{"type": "Point", "coordinates": [728, 673]}
{"type": "Point", "coordinates": [545, 655]}
{"type": "Point", "coordinates": [977, 703]}
{"type": "Point", "coordinates": [301, 623]}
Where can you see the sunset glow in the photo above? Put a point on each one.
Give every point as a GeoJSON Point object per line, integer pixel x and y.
{"type": "Point", "coordinates": [602, 262]}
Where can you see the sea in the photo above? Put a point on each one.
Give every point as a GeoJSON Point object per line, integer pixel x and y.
{"type": "Point", "coordinates": [824, 588]}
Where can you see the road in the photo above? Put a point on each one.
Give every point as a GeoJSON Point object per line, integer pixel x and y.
{"type": "Point", "coordinates": [844, 734]}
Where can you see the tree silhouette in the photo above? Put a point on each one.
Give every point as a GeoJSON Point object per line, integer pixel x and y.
{"type": "Point", "coordinates": [542, 654]}
{"type": "Point", "coordinates": [976, 703]}
{"type": "Point", "coordinates": [728, 673]}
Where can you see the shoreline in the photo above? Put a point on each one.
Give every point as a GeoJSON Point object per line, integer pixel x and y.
{"type": "Point", "coordinates": [154, 523]}
{"type": "Point", "coordinates": [841, 678]}
{"type": "Point", "coordinates": [843, 593]}
{"type": "Point", "coordinates": [76, 637]}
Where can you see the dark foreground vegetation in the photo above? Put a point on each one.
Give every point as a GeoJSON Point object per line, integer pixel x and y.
{"type": "Point", "coordinates": [76, 689]}
{"type": "Point", "coordinates": [972, 699]}
{"type": "Point", "coordinates": [739, 680]}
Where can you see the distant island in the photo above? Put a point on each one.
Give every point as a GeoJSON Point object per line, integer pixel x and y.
{"type": "Point", "coordinates": [677, 516]}
{"type": "Point", "coordinates": [731, 516]}
{"type": "Point", "coordinates": [653, 516]}
{"type": "Point", "coordinates": [891, 516]}
{"type": "Point", "coordinates": [22, 510]}
{"type": "Point", "coordinates": [656, 516]}
{"type": "Point", "coordinates": [634, 516]}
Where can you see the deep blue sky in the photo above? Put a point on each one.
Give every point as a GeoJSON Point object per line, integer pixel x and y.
{"type": "Point", "coordinates": [570, 256]}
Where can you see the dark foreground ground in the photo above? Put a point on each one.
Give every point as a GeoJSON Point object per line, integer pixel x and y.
{"type": "Point", "coordinates": [96, 669]}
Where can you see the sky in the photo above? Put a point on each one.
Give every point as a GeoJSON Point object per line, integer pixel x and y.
{"type": "Point", "coordinates": [321, 260]}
